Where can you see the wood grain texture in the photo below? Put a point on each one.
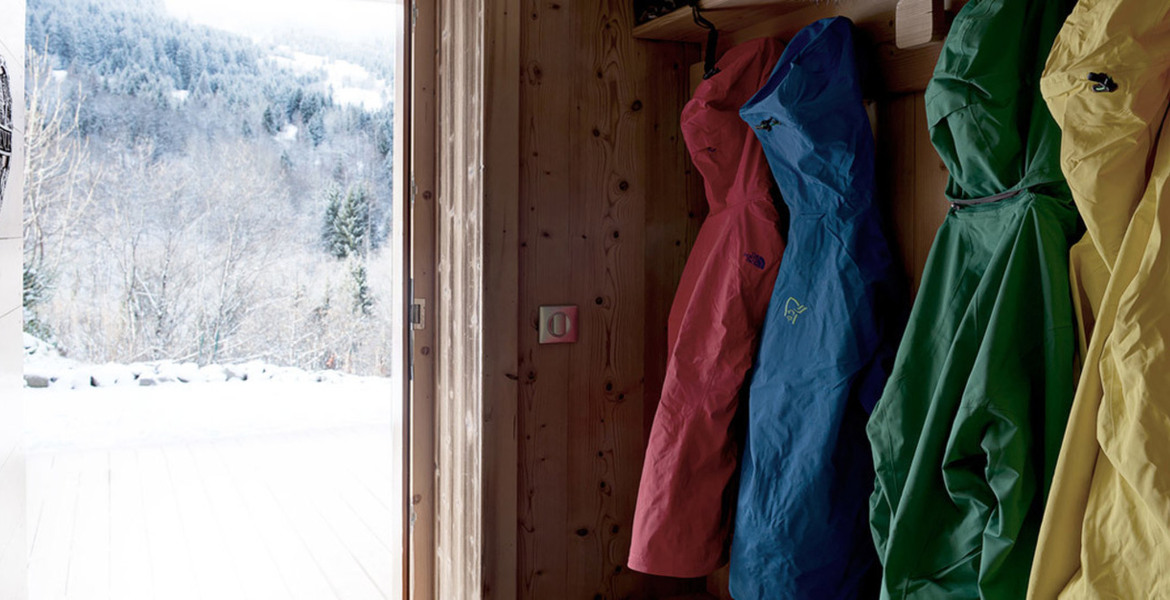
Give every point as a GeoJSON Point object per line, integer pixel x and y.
{"type": "Point", "coordinates": [548, 40]}
{"type": "Point", "coordinates": [502, 311]}
{"type": "Point", "coordinates": [912, 178]}
{"type": "Point", "coordinates": [599, 147]}
{"type": "Point", "coordinates": [608, 243]}
{"type": "Point", "coordinates": [422, 133]}
{"type": "Point", "coordinates": [459, 318]}
{"type": "Point", "coordinates": [679, 25]}
{"type": "Point", "coordinates": [920, 22]}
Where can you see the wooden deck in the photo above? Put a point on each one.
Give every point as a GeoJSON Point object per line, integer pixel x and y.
{"type": "Point", "coordinates": [307, 515]}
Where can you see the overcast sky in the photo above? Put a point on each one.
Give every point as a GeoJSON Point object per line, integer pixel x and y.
{"type": "Point", "coordinates": [346, 19]}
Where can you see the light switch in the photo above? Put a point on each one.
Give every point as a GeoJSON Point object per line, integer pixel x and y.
{"type": "Point", "coordinates": [558, 324]}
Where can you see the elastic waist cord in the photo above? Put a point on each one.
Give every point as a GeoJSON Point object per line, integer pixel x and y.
{"type": "Point", "coordinates": [986, 199]}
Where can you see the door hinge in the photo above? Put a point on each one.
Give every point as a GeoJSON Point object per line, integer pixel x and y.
{"type": "Point", "coordinates": [417, 314]}
{"type": "Point", "coordinates": [413, 15]}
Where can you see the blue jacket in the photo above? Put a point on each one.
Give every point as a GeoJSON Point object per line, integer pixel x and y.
{"type": "Point", "coordinates": [836, 313]}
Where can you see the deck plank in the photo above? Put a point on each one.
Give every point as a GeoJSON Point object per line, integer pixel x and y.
{"type": "Point", "coordinates": [131, 573]}
{"type": "Point", "coordinates": [51, 547]}
{"type": "Point", "coordinates": [302, 492]}
{"type": "Point", "coordinates": [170, 555]}
{"type": "Point", "coordinates": [256, 514]}
{"type": "Point", "coordinates": [216, 574]}
{"type": "Point", "coordinates": [334, 485]}
{"type": "Point", "coordinates": [243, 539]}
{"type": "Point", "coordinates": [302, 572]}
{"type": "Point", "coordinates": [89, 564]}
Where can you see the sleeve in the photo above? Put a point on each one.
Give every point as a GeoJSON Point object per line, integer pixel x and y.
{"type": "Point", "coordinates": [681, 519]}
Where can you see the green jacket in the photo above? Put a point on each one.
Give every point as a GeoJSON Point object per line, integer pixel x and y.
{"type": "Point", "coordinates": [967, 431]}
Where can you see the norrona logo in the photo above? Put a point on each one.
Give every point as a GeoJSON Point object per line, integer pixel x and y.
{"type": "Point", "coordinates": [793, 309]}
{"type": "Point", "coordinates": [755, 260]}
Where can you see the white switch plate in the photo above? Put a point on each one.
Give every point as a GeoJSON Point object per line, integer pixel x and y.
{"type": "Point", "coordinates": [558, 324]}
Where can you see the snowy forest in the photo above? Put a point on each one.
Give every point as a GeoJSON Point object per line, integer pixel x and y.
{"type": "Point", "coordinates": [200, 196]}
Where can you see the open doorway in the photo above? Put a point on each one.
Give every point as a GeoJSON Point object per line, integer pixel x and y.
{"type": "Point", "coordinates": [212, 294]}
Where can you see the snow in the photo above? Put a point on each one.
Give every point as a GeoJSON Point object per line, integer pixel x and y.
{"type": "Point", "coordinates": [59, 75]}
{"type": "Point", "coordinates": [288, 133]}
{"type": "Point", "coordinates": [112, 405]}
{"type": "Point", "coordinates": [60, 418]}
{"type": "Point", "coordinates": [180, 96]}
{"type": "Point", "coordinates": [44, 363]}
{"type": "Point", "coordinates": [352, 84]}
{"type": "Point", "coordinates": [123, 457]}
{"type": "Point", "coordinates": [367, 99]}
{"type": "Point", "coordinates": [267, 19]}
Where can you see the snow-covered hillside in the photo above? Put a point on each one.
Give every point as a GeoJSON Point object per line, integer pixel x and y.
{"type": "Point", "coordinates": [350, 84]}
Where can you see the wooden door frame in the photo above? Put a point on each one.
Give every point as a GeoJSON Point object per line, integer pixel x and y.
{"type": "Point", "coordinates": [419, 145]}
{"type": "Point", "coordinates": [463, 150]}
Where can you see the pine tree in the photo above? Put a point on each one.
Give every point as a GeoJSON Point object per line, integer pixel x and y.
{"type": "Point", "coordinates": [331, 227]}
{"type": "Point", "coordinates": [384, 134]}
{"type": "Point", "coordinates": [317, 129]}
{"type": "Point", "coordinates": [345, 230]}
{"type": "Point", "coordinates": [363, 297]}
{"type": "Point", "coordinates": [271, 122]}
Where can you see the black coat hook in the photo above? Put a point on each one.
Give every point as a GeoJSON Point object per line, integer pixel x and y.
{"type": "Point", "coordinates": [712, 41]}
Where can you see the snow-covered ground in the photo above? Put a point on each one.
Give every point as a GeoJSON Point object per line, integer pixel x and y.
{"type": "Point", "coordinates": [72, 405]}
{"type": "Point", "coordinates": [233, 481]}
{"type": "Point", "coordinates": [59, 418]}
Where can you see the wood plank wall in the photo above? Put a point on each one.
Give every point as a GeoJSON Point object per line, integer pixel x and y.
{"type": "Point", "coordinates": [604, 195]}
{"type": "Point", "coordinates": [911, 180]}
{"type": "Point", "coordinates": [608, 209]}
{"type": "Point", "coordinates": [502, 312]}
{"type": "Point", "coordinates": [459, 305]}
{"type": "Point", "coordinates": [13, 550]}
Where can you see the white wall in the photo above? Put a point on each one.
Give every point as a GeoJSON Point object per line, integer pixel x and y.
{"type": "Point", "coordinates": [13, 545]}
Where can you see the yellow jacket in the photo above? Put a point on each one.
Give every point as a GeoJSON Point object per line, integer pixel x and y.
{"type": "Point", "coordinates": [1106, 527]}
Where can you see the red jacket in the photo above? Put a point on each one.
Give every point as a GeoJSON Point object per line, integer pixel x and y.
{"type": "Point", "coordinates": [682, 516]}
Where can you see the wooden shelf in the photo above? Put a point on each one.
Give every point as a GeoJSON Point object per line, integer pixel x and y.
{"type": "Point", "coordinates": [727, 15]}
{"type": "Point", "coordinates": [902, 71]}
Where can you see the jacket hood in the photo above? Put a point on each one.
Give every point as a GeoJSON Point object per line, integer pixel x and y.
{"type": "Point", "coordinates": [987, 118]}
{"type": "Point", "coordinates": [721, 145]}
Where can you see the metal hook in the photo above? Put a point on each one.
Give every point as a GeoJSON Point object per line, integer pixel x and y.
{"type": "Point", "coordinates": [712, 41]}
{"type": "Point", "coordinates": [698, 17]}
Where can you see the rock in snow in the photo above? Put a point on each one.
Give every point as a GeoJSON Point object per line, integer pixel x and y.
{"type": "Point", "coordinates": [46, 367]}
{"type": "Point", "coordinates": [37, 380]}
{"type": "Point", "coordinates": [112, 374]}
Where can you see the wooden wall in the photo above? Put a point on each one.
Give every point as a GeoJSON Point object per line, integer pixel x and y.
{"type": "Point", "coordinates": [603, 188]}
{"type": "Point", "coordinates": [459, 310]}
{"type": "Point", "coordinates": [608, 209]}
{"type": "Point", "coordinates": [13, 551]}
{"type": "Point", "coordinates": [911, 179]}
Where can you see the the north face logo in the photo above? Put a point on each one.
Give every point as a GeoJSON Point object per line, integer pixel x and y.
{"type": "Point", "coordinates": [755, 260]}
